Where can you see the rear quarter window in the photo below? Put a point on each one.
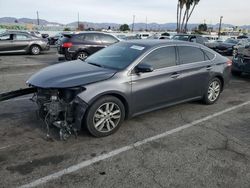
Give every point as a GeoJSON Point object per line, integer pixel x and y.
{"type": "Point", "coordinates": [108, 38]}
{"type": "Point", "coordinates": [208, 55]}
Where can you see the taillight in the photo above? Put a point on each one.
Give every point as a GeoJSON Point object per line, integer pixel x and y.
{"type": "Point", "coordinates": [229, 63]}
{"type": "Point", "coordinates": [67, 44]}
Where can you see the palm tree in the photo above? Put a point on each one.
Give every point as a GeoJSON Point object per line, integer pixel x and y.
{"type": "Point", "coordinates": [194, 3]}
{"type": "Point", "coordinates": [180, 6]}
{"type": "Point", "coordinates": [182, 26]}
{"type": "Point", "coordinates": [188, 5]}
{"type": "Point", "coordinates": [178, 10]}
{"type": "Point", "coordinates": [182, 3]}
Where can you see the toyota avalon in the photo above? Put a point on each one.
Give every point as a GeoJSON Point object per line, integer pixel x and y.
{"type": "Point", "coordinates": [127, 79]}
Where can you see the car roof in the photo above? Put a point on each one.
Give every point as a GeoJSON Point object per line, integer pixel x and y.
{"type": "Point", "coordinates": [154, 42]}
{"type": "Point", "coordinates": [15, 32]}
{"type": "Point", "coordinates": [181, 34]}
{"type": "Point", "coordinates": [94, 32]}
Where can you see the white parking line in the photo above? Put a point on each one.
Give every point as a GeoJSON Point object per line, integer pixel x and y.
{"type": "Point", "coordinates": [18, 74]}
{"type": "Point", "coordinates": [5, 147]}
{"type": "Point", "coordinates": [125, 148]}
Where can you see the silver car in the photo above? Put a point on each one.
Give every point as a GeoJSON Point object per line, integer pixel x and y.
{"type": "Point", "coordinates": [22, 42]}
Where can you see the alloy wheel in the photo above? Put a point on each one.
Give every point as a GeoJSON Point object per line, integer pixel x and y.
{"type": "Point", "coordinates": [107, 117]}
{"type": "Point", "coordinates": [81, 56]}
{"type": "Point", "coordinates": [214, 90]}
{"type": "Point", "coordinates": [35, 50]}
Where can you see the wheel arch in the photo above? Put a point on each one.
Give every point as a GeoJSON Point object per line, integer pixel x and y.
{"type": "Point", "coordinates": [118, 95]}
{"type": "Point", "coordinates": [35, 44]}
{"type": "Point", "coordinates": [220, 77]}
{"type": "Point", "coordinates": [83, 50]}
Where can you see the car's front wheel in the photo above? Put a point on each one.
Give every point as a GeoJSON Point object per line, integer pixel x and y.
{"type": "Point", "coordinates": [35, 50]}
{"type": "Point", "coordinates": [213, 91]}
{"type": "Point", "coordinates": [105, 116]}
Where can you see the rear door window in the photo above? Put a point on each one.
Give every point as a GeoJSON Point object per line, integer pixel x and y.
{"type": "Point", "coordinates": [21, 37]}
{"type": "Point", "coordinates": [92, 37]}
{"type": "Point", "coordinates": [88, 37]}
{"type": "Point", "coordinates": [161, 58]}
{"type": "Point", "coordinates": [189, 54]}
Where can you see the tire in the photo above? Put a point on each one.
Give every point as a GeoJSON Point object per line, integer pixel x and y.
{"type": "Point", "coordinates": [236, 73]}
{"type": "Point", "coordinates": [81, 55]}
{"type": "Point", "coordinates": [68, 56]}
{"type": "Point", "coordinates": [105, 116]}
{"type": "Point", "coordinates": [35, 50]}
{"type": "Point", "coordinates": [213, 91]}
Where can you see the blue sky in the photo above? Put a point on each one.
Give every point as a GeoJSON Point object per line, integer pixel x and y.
{"type": "Point", "coordinates": [122, 11]}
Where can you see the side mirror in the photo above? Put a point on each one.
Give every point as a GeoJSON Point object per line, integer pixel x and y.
{"type": "Point", "coordinates": [143, 67]}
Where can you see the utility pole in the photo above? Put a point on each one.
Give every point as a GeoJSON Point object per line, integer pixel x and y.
{"type": "Point", "coordinates": [78, 23]}
{"type": "Point", "coordinates": [220, 27]}
{"type": "Point", "coordinates": [37, 16]}
{"type": "Point", "coordinates": [133, 25]}
{"type": "Point", "coordinates": [146, 23]}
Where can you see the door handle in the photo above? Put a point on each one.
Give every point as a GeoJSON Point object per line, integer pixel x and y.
{"type": "Point", "coordinates": [175, 75]}
{"type": "Point", "coordinates": [209, 67]}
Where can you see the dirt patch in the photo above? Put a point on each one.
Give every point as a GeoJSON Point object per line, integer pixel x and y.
{"type": "Point", "coordinates": [29, 166]}
{"type": "Point", "coordinates": [236, 102]}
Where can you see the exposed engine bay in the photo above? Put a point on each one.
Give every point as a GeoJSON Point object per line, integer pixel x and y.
{"type": "Point", "coordinates": [61, 108]}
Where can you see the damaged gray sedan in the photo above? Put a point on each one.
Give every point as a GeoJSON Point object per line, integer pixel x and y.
{"type": "Point", "coordinates": [125, 80]}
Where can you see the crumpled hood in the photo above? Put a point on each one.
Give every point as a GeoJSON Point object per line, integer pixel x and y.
{"type": "Point", "coordinates": [69, 74]}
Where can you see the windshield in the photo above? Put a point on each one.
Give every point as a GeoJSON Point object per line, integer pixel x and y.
{"type": "Point", "coordinates": [117, 56]}
{"type": "Point", "coordinates": [181, 37]}
{"type": "Point", "coordinates": [231, 41]}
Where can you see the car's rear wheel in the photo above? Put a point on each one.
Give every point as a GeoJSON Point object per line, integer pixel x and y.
{"type": "Point", "coordinates": [105, 116]}
{"type": "Point", "coordinates": [81, 55]}
{"type": "Point", "coordinates": [35, 49]}
{"type": "Point", "coordinates": [213, 91]}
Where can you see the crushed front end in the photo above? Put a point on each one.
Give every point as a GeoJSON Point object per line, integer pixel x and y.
{"type": "Point", "coordinates": [61, 108]}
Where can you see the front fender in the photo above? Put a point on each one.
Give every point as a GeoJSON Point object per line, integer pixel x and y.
{"type": "Point", "coordinates": [115, 86]}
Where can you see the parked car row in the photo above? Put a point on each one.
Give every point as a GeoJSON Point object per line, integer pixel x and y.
{"type": "Point", "coordinates": [191, 38]}
{"type": "Point", "coordinates": [80, 45]}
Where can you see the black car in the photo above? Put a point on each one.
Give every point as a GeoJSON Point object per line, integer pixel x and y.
{"type": "Point", "coordinates": [191, 38]}
{"type": "Point", "coordinates": [54, 39]}
{"type": "Point", "coordinates": [241, 64]}
{"type": "Point", "coordinates": [226, 47]}
{"type": "Point", "coordinates": [79, 46]}
{"type": "Point", "coordinates": [125, 80]}
{"type": "Point", "coordinates": [22, 42]}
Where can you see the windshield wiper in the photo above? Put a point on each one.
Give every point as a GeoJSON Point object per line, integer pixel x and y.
{"type": "Point", "coordinates": [95, 64]}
